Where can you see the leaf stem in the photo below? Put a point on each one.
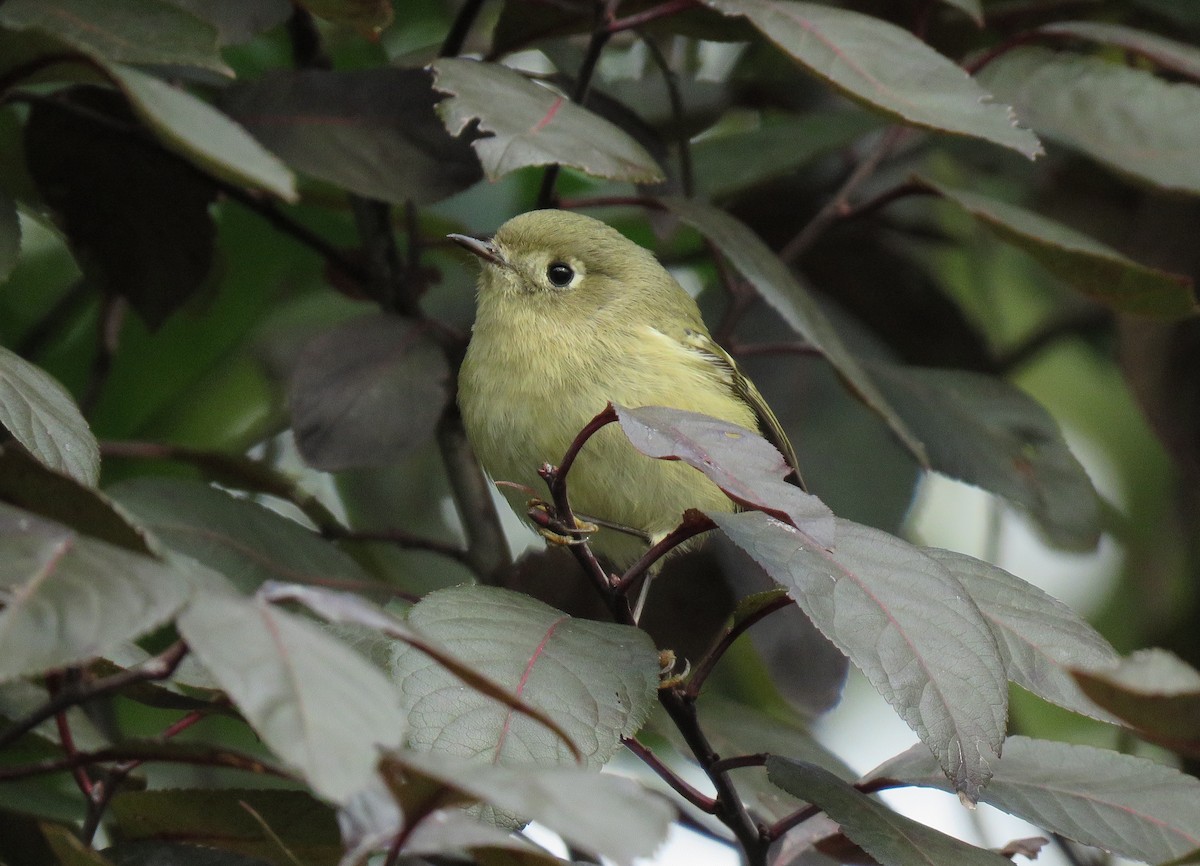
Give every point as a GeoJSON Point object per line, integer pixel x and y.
{"type": "Point", "coordinates": [694, 523]}
{"type": "Point", "coordinates": [143, 752]}
{"type": "Point", "coordinates": [705, 666]}
{"type": "Point", "coordinates": [738, 761]}
{"type": "Point", "coordinates": [686, 178]}
{"type": "Point", "coordinates": [662, 10]}
{"type": "Point", "coordinates": [701, 801]}
{"type": "Point", "coordinates": [461, 27]}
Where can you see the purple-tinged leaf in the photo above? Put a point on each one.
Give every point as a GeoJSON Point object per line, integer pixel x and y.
{"type": "Point", "coordinates": [1121, 803]}
{"type": "Point", "coordinates": [1041, 637]}
{"type": "Point", "coordinates": [367, 392]}
{"type": "Point", "coordinates": [907, 623]}
{"type": "Point", "coordinates": [739, 461]}
{"type": "Point", "coordinates": [1169, 55]}
{"type": "Point", "coordinates": [533, 125]}
{"type": "Point", "coordinates": [1152, 691]}
{"type": "Point", "coordinates": [890, 838]}
{"type": "Point", "coordinates": [10, 235]}
{"type": "Point", "coordinates": [885, 67]}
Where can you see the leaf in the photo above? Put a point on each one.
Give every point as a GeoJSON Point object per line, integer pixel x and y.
{"type": "Point", "coordinates": [1168, 54]}
{"type": "Point", "coordinates": [373, 132]}
{"type": "Point", "coordinates": [1126, 118]}
{"type": "Point", "coordinates": [725, 164]}
{"type": "Point", "coordinates": [316, 703]}
{"type": "Point", "coordinates": [1153, 691]}
{"type": "Point", "coordinates": [597, 681]}
{"type": "Point", "coordinates": [199, 133]}
{"type": "Point", "coordinates": [891, 839]}
{"type": "Point", "coordinates": [232, 819]}
{"type": "Point", "coordinates": [68, 598]}
{"type": "Point", "coordinates": [906, 622]}
{"type": "Point", "coordinates": [10, 235]}
{"type": "Point", "coordinates": [885, 67]}
{"type": "Point", "coordinates": [145, 32]}
{"type": "Point", "coordinates": [1088, 266]}
{"type": "Point", "coordinates": [779, 288]}
{"type": "Point", "coordinates": [1121, 803]}
{"type": "Point", "coordinates": [34, 487]}
{"type": "Point", "coordinates": [39, 413]}
{"type": "Point", "coordinates": [154, 853]}
{"type": "Point", "coordinates": [344, 608]}
{"type": "Point", "coordinates": [743, 464]}
{"type": "Point", "coordinates": [972, 8]}
{"type": "Point", "coordinates": [982, 430]}
{"type": "Point", "coordinates": [237, 21]}
{"type": "Point", "coordinates": [153, 242]}
{"type": "Point", "coordinates": [533, 125]}
{"type": "Point", "coordinates": [1042, 638]}
{"type": "Point", "coordinates": [367, 392]}
{"type": "Point", "coordinates": [621, 821]}
{"type": "Point", "coordinates": [245, 542]}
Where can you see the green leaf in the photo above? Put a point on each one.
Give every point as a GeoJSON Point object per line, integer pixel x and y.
{"type": "Point", "coordinates": [198, 132]}
{"type": "Point", "coordinates": [69, 850]}
{"type": "Point", "coordinates": [598, 681]}
{"type": "Point", "coordinates": [622, 820]}
{"type": "Point", "coordinates": [725, 164]}
{"type": "Point", "coordinates": [153, 242]}
{"type": "Point", "coordinates": [745, 466]}
{"type": "Point", "coordinates": [533, 125]}
{"type": "Point", "coordinates": [1126, 118]}
{"type": "Point", "coordinates": [1152, 691]}
{"type": "Point", "coordinates": [373, 132]}
{"type": "Point", "coordinates": [145, 32]}
{"type": "Point", "coordinates": [10, 235]}
{"type": "Point", "coordinates": [247, 543]}
{"type": "Point", "coordinates": [982, 430]}
{"type": "Point", "coordinates": [885, 67]}
{"type": "Point", "coordinates": [779, 288]}
{"type": "Point", "coordinates": [316, 703]}
{"type": "Point", "coordinates": [890, 838]}
{"type": "Point", "coordinates": [1121, 803]}
{"type": "Point", "coordinates": [40, 414]}
{"type": "Point", "coordinates": [68, 598]}
{"type": "Point", "coordinates": [1042, 637]}
{"type": "Point", "coordinates": [906, 622]}
{"type": "Point", "coordinates": [230, 819]}
{"type": "Point", "coordinates": [1088, 266]}
{"type": "Point", "coordinates": [367, 393]}
{"type": "Point", "coordinates": [236, 20]}
{"type": "Point", "coordinates": [1168, 54]}
{"type": "Point", "coordinates": [369, 16]}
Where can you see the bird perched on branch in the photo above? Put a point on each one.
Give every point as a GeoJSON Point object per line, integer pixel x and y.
{"type": "Point", "coordinates": [571, 315]}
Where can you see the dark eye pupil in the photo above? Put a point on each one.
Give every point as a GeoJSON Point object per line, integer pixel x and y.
{"type": "Point", "coordinates": [560, 274]}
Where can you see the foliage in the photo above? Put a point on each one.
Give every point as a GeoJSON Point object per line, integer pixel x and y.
{"type": "Point", "coordinates": [257, 603]}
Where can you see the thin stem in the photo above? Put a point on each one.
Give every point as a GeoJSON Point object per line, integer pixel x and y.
{"type": "Point", "coordinates": [55, 684]}
{"type": "Point", "coordinates": [583, 84]}
{"type": "Point", "coordinates": [160, 667]}
{"type": "Point", "coordinates": [385, 272]}
{"type": "Point", "coordinates": [1077, 323]}
{"type": "Point", "coordinates": [694, 523]}
{"type": "Point", "coordinates": [798, 817]}
{"type": "Point", "coordinates": [460, 28]}
{"type": "Point", "coordinates": [739, 761]}
{"type": "Point", "coordinates": [686, 177]}
{"type": "Point", "coordinates": [701, 801]}
{"type": "Point", "coordinates": [606, 416]}
{"type": "Point", "coordinates": [789, 347]}
{"type": "Point", "coordinates": [204, 757]}
{"type": "Point", "coordinates": [705, 666]}
{"type": "Point", "coordinates": [838, 205]}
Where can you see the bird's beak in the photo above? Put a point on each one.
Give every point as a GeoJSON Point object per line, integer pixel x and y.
{"type": "Point", "coordinates": [486, 250]}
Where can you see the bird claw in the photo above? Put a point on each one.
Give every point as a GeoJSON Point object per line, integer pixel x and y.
{"type": "Point", "coordinates": [668, 677]}
{"type": "Point", "coordinates": [548, 525]}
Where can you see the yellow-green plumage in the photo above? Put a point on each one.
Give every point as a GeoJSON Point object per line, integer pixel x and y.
{"type": "Point", "coordinates": [543, 360]}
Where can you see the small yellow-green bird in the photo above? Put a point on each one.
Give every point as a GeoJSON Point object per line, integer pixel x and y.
{"type": "Point", "coordinates": [572, 315]}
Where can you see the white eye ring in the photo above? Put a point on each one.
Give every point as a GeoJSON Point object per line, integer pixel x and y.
{"type": "Point", "coordinates": [560, 274]}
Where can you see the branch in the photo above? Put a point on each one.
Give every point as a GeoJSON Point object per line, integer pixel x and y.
{"type": "Point", "coordinates": [798, 817]}
{"type": "Point", "coordinates": [838, 206]}
{"type": "Point", "coordinates": [160, 667]}
{"type": "Point", "coordinates": [686, 178]}
{"type": "Point", "coordinates": [694, 523]}
{"type": "Point", "coordinates": [663, 10]}
{"type": "Point", "coordinates": [460, 28]}
{"type": "Point", "coordinates": [203, 756]}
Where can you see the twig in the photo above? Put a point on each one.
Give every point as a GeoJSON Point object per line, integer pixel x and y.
{"type": "Point", "coordinates": [111, 319]}
{"type": "Point", "coordinates": [838, 205]}
{"type": "Point", "coordinates": [1076, 323]}
{"type": "Point", "coordinates": [662, 10]}
{"type": "Point", "coordinates": [694, 523]}
{"type": "Point", "coordinates": [803, 814]}
{"type": "Point", "coordinates": [789, 347]}
{"type": "Point", "coordinates": [160, 667]}
{"type": "Point", "coordinates": [705, 666]}
{"type": "Point", "coordinates": [583, 84]}
{"type": "Point", "coordinates": [55, 683]}
{"type": "Point", "coordinates": [204, 757]}
{"type": "Point", "coordinates": [701, 801]}
{"type": "Point", "coordinates": [738, 761]}
{"type": "Point", "coordinates": [686, 178]}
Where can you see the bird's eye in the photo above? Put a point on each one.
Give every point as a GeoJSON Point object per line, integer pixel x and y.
{"type": "Point", "coordinates": [560, 274]}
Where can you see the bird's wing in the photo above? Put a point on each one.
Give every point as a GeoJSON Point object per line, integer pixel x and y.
{"type": "Point", "coordinates": [708, 348]}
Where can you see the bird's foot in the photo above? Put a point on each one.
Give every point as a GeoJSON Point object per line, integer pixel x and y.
{"type": "Point", "coordinates": [549, 526]}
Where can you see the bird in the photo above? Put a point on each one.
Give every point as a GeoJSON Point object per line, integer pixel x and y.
{"type": "Point", "coordinates": [570, 316]}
